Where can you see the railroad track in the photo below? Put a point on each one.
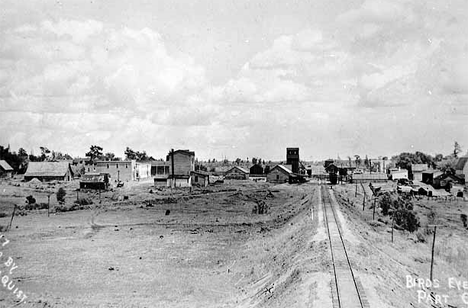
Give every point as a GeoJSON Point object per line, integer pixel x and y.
{"type": "Point", "coordinates": [347, 290]}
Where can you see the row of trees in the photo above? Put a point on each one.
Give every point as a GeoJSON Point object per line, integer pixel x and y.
{"type": "Point", "coordinates": [96, 153]}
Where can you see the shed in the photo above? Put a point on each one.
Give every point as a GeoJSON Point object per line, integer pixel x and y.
{"type": "Point", "coordinates": [49, 171]}
{"type": "Point", "coordinates": [200, 178]}
{"type": "Point", "coordinates": [5, 169]}
{"type": "Point", "coordinates": [237, 173]}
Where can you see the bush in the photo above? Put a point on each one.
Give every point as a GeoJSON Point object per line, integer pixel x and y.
{"type": "Point", "coordinates": [407, 220]}
{"type": "Point", "coordinates": [3, 215]}
{"type": "Point", "coordinates": [463, 218]}
{"type": "Point", "coordinates": [30, 200]}
{"type": "Point", "coordinates": [61, 193]}
{"type": "Point", "coordinates": [402, 208]}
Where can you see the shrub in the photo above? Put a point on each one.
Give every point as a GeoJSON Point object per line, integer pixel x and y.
{"type": "Point", "coordinates": [463, 218]}
{"type": "Point", "coordinates": [407, 220]}
{"type": "Point", "coordinates": [61, 193]}
{"type": "Point", "coordinates": [30, 200]}
{"type": "Point", "coordinates": [3, 215]}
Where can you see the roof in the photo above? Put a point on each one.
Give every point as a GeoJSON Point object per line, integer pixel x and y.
{"type": "Point", "coordinates": [283, 168]}
{"type": "Point", "coordinates": [5, 166]}
{"type": "Point", "coordinates": [240, 169]}
{"type": "Point", "coordinates": [112, 162]}
{"type": "Point", "coordinates": [418, 167]}
{"type": "Point", "coordinates": [47, 169]}
{"type": "Point", "coordinates": [461, 163]}
{"type": "Point", "coordinates": [92, 177]}
{"type": "Point", "coordinates": [201, 173]}
{"type": "Point", "coordinates": [432, 171]}
{"type": "Point", "coordinates": [370, 176]}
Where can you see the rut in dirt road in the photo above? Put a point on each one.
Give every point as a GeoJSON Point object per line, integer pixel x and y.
{"type": "Point", "coordinates": [346, 289]}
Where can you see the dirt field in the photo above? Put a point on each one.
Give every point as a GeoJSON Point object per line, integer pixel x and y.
{"type": "Point", "coordinates": [209, 251]}
{"type": "Point", "coordinates": [205, 248]}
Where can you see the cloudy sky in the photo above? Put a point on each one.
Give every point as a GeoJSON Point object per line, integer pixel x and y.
{"type": "Point", "coordinates": [235, 78]}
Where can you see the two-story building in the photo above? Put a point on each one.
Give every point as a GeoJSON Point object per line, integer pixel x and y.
{"type": "Point", "coordinates": [181, 164]}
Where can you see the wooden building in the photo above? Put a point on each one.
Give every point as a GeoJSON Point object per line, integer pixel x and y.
{"type": "Point", "coordinates": [49, 171]}
{"type": "Point", "coordinates": [5, 169]}
{"type": "Point", "coordinates": [256, 169]}
{"type": "Point", "coordinates": [98, 181]}
{"type": "Point", "coordinates": [292, 158]}
{"type": "Point", "coordinates": [237, 173]}
{"type": "Point", "coordinates": [200, 178]}
{"type": "Point", "coordinates": [279, 174]}
{"type": "Point", "coordinates": [119, 171]}
{"type": "Point", "coordinates": [183, 162]}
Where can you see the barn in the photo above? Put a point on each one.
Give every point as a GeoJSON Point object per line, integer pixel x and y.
{"type": "Point", "coordinates": [49, 171]}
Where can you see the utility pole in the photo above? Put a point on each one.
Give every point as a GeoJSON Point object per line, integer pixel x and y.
{"type": "Point", "coordinates": [433, 245]}
{"type": "Point", "coordinates": [172, 167]}
{"type": "Point", "coordinates": [393, 222]}
{"type": "Point", "coordinates": [48, 205]}
{"type": "Point", "coordinates": [373, 213]}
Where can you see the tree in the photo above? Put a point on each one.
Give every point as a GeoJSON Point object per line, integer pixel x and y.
{"type": "Point", "coordinates": [267, 169]}
{"type": "Point", "coordinates": [61, 195]}
{"type": "Point", "coordinates": [456, 149]}
{"type": "Point", "coordinates": [44, 153]}
{"type": "Point", "coordinates": [358, 160]}
{"type": "Point", "coordinates": [238, 161]}
{"type": "Point", "coordinates": [254, 160]}
{"type": "Point", "coordinates": [109, 156]}
{"type": "Point", "coordinates": [95, 152]}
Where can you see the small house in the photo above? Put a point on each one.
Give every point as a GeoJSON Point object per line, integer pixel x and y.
{"type": "Point", "coordinates": [49, 171]}
{"type": "Point", "coordinates": [5, 169]}
{"type": "Point", "coordinates": [200, 178]}
{"type": "Point", "coordinates": [237, 173]}
{"type": "Point", "coordinates": [279, 174]}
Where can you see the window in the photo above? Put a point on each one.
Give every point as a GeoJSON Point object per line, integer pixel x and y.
{"type": "Point", "coordinates": [126, 165]}
{"type": "Point", "coordinates": [117, 166]}
{"type": "Point", "coordinates": [196, 178]}
{"type": "Point", "coordinates": [107, 166]}
{"type": "Point", "coordinates": [277, 176]}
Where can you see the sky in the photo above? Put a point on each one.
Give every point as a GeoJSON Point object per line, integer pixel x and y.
{"type": "Point", "coordinates": [230, 79]}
